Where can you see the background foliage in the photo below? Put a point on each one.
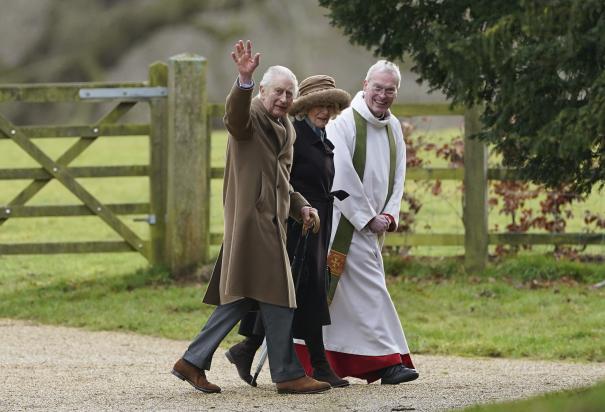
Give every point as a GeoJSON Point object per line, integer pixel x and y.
{"type": "Point", "coordinates": [538, 67]}
{"type": "Point", "coordinates": [514, 206]}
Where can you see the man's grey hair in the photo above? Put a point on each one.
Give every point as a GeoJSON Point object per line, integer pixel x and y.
{"type": "Point", "coordinates": [276, 71]}
{"type": "Point", "coordinates": [384, 66]}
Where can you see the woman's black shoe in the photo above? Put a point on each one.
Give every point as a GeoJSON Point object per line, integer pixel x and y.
{"type": "Point", "coordinates": [325, 373]}
{"type": "Point", "coordinates": [242, 356]}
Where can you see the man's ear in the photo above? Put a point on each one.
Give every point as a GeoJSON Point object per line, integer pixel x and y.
{"type": "Point", "coordinates": [365, 85]}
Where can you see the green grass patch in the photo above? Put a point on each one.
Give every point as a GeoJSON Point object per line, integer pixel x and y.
{"type": "Point", "coordinates": [530, 306]}
{"type": "Point", "coordinates": [527, 306]}
{"type": "Point", "coordinates": [489, 317]}
{"type": "Point", "coordinates": [583, 400]}
{"type": "Point", "coordinates": [443, 310]}
{"type": "Point", "coordinates": [145, 301]}
{"type": "Point", "coordinates": [534, 269]}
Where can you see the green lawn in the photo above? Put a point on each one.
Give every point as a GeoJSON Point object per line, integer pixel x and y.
{"type": "Point", "coordinates": [497, 319]}
{"type": "Point", "coordinates": [547, 311]}
{"type": "Point", "coordinates": [582, 400]}
{"type": "Point", "coordinates": [522, 307]}
{"type": "Point", "coordinates": [529, 306]}
{"type": "Point", "coordinates": [115, 291]}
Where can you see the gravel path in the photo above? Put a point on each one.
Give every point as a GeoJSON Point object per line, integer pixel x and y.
{"type": "Point", "coordinates": [58, 368]}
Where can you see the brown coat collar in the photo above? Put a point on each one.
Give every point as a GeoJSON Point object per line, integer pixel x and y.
{"type": "Point", "coordinates": [283, 131]}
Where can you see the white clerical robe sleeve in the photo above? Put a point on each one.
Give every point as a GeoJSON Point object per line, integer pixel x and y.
{"type": "Point", "coordinates": [356, 208]}
{"type": "Point", "coordinates": [393, 205]}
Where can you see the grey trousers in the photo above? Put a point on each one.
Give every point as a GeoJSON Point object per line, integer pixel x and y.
{"type": "Point", "coordinates": [284, 364]}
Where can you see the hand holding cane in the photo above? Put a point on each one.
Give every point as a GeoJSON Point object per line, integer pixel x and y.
{"type": "Point", "coordinates": [310, 220]}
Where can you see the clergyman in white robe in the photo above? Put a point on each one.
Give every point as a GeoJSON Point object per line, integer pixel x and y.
{"type": "Point", "coordinates": [365, 335]}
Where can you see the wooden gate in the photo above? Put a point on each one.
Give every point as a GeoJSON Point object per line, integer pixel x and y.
{"type": "Point", "coordinates": [171, 92]}
{"type": "Point", "coordinates": [179, 171]}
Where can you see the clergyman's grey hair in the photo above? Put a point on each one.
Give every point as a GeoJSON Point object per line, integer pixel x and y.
{"type": "Point", "coordinates": [385, 66]}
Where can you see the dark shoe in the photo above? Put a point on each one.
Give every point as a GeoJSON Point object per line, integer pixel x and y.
{"type": "Point", "coordinates": [396, 374]}
{"type": "Point", "coordinates": [242, 356]}
{"type": "Point", "coordinates": [243, 366]}
{"type": "Point", "coordinates": [326, 374]}
{"type": "Point", "coordinates": [185, 371]}
{"type": "Point", "coordinates": [322, 371]}
{"type": "Point", "coordinates": [302, 385]}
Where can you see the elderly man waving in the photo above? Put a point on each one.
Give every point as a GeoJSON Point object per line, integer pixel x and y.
{"type": "Point", "coordinates": [252, 269]}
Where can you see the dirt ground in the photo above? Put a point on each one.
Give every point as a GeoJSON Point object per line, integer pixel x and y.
{"type": "Point", "coordinates": [57, 368]}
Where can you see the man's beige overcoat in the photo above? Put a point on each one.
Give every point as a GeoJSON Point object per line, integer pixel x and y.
{"type": "Point", "coordinates": [257, 199]}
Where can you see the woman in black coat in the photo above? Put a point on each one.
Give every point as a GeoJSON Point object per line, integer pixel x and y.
{"type": "Point", "coordinates": [311, 175]}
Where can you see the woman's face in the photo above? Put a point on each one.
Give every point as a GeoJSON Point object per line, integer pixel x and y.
{"type": "Point", "coordinates": [321, 115]}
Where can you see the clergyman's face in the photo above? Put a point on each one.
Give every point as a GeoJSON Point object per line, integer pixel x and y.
{"type": "Point", "coordinates": [380, 91]}
{"type": "Point", "coordinates": [277, 97]}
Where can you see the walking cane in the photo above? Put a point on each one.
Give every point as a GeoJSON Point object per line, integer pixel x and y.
{"type": "Point", "coordinates": [296, 266]}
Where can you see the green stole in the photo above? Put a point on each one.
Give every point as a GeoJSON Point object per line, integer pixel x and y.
{"type": "Point", "coordinates": [345, 230]}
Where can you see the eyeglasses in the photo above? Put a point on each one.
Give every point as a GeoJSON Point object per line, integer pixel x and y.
{"type": "Point", "coordinates": [388, 91]}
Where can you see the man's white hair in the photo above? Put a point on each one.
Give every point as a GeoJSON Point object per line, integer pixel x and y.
{"type": "Point", "coordinates": [277, 71]}
{"type": "Point", "coordinates": [384, 66]}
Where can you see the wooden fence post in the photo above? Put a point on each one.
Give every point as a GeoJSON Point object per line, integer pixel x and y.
{"type": "Point", "coordinates": [158, 164]}
{"type": "Point", "coordinates": [188, 191]}
{"type": "Point", "coordinates": [475, 194]}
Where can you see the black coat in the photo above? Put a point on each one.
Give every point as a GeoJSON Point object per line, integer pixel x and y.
{"type": "Point", "coordinates": [312, 175]}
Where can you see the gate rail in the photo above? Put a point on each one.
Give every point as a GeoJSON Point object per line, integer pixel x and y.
{"type": "Point", "coordinates": [475, 175]}
{"type": "Point", "coordinates": [171, 91]}
{"type": "Point", "coordinates": [179, 171]}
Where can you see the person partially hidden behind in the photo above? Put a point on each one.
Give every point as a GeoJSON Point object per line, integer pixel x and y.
{"type": "Point", "coordinates": [312, 174]}
{"type": "Point", "coordinates": [252, 270]}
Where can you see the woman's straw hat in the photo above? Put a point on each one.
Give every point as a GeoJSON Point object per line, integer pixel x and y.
{"type": "Point", "coordinates": [319, 90]}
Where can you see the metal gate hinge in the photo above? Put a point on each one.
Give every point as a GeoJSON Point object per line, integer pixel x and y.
{"type": "Point", "coordinates": [126, 93]}
{"type": "Point", "coordinates": [151, 219]}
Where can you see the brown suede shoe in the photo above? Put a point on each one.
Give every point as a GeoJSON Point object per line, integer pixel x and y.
{"type": "Point", "coordinates": [196, 377]}
{"type": "Point", "coordinates": [302, 385]}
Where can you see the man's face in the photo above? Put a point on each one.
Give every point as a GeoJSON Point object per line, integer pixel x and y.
{"type": "Point", "coordinates": [277, 97]}
{"type": "Point", "coordinates": [380, 91]}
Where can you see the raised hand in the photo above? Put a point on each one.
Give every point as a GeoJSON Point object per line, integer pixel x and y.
{"type": "Point", "coordinates": [244, 61]}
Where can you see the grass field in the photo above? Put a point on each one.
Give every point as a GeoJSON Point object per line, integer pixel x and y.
{"type": "Point", "coordinates": [526, 307]}
{"type": "Point", "coordinates": [529, 306]}
{"type": "Point", "coordinates": [81, 290]}
{"type": "Point", "coordinates": [583, 400]}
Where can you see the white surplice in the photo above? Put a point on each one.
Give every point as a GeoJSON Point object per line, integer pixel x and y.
{"type": "Point", "coordinates": [364, 319]}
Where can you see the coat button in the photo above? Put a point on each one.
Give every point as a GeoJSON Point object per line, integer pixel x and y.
{"type": "Point", "coordinates": [274, 219]}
